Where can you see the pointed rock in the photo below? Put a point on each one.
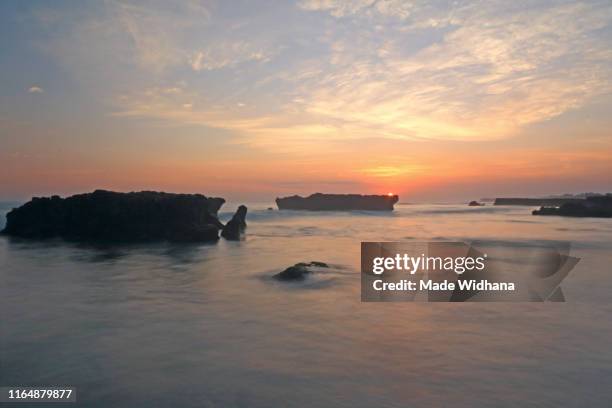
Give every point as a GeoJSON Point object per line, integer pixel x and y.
{"type": "Point", "coordinates": [236, 226]}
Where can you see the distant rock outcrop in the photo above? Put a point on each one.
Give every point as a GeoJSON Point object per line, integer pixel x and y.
{"type": "Point", "coordinates": [118, 217]}
{"type": "Point", "coordinates": [299, 271]}
{"type": "Point", "coordinates": [338, 202]}
{"type": "Point", "coordinates": [596, 206]}
{"type": "Point", "coordinates": [536, 201]}
{"type": "Point", "coordinates": [236, 226]}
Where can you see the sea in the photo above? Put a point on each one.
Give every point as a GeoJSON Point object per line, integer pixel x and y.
{"type": "Point", "coordinates": [165, 325]}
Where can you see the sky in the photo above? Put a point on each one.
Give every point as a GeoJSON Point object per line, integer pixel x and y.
{"type": "Point", "coordinates": [432, 100]}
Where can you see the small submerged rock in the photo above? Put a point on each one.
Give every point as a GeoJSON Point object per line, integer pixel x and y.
{"type": "Point", "coordinates": [299, 271]}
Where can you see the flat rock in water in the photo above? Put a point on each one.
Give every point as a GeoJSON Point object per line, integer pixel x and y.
{"type": "Point", "coordinates": [597, 206]}
{"type": "Point", "coordinates": [109, 216]}
{"type": "Point", "coordinates": [338, 202]}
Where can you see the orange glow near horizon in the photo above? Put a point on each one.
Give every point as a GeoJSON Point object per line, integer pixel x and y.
{"type": "Point", "coordinates": [447, 171]}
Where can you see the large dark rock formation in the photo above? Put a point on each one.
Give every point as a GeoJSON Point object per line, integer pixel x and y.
{"type": "Point", "coordinates": [599, 206]}
{"type": "Point", "coordinates": [236, 226]}
{"type": "Point", "coordinates": [338, 202]}
{"type": "Point", "coordinates": [536, 201]}
{"type": "Point", "coordinates": [118, 217]}
{"type": "Point", "coordinates": [299, 271]}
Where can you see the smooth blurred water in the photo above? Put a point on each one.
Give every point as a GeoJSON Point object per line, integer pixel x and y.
{"type": "Point", "coordinates": [203, 325]}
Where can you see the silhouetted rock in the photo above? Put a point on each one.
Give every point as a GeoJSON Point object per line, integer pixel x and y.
{"type": "Point", "coordinates": [118, 217]}
{"type": "Point", "coordinates": [547, 201]}
{"type": "Point", "coordinates": [338, 202]}
{"type": "Point", "coordinates": [214, 204]}
{"type": "Point", "coordinates": [236, 226]}
{"type": "Point", "coordinates": [597, 206]}
{"type": "Point", "coordinates": [299, 271]}
{"type": "Point", "coordinates": [475, 204]}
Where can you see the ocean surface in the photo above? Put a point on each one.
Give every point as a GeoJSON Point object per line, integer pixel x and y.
{"type": "Point", "coordinates": [205, 326]}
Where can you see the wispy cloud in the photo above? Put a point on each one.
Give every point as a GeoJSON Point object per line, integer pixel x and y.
{"type": "Point", "coordinates": [485, 73]}
{"type": "Point", "coordinates": [35, 89]}
{"type": "Point", "coordinates": [494, 71]}
{"type": "Point", "coordinates": [343, 8]}
{"type": "Point", "coordinates": [226, 54]}
{"type": "Point", "coordinates": [169, 37]}
{"type": "Point", "coordinates": [360, 69]}
{"type": "Point", "coordinates": [385, 171]}
{"type": "Point", "coordinates": [158, 31]}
